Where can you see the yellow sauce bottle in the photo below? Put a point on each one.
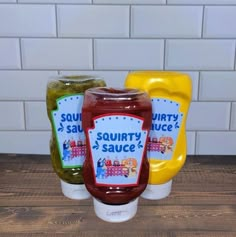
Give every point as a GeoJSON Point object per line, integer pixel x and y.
{"type": "Point", "coordinates": [171, 94]}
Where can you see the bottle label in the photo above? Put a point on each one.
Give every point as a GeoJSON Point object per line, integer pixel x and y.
{"type": "Point", "coordinates": [117, 145]}
{"type": "Point", "coordinates": [166, 122]}
{"type": "Point", "coordinates": [67, 122]}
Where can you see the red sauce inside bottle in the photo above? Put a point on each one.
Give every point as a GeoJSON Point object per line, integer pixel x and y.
{"type": "Point", "coordinates": [112, 109]}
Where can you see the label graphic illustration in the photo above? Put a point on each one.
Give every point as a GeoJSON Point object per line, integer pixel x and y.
{"type": "Point", "coordinates": [68, 128]}
{"type": "Point", "coordinates": [117, 144]}
{"type": "Point", "coordinates": [166, 121]}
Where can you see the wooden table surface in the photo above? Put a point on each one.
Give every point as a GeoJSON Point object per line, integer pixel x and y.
{"type": "Point", "coordinates": [202, 203]}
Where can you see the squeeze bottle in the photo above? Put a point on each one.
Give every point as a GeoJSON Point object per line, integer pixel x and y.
{"type": "Point", "coordinates": [116, 169]}
{"type": "Point", "coordinates": [65, 95]}
{"type": "Point", "coordinates": [170, 93]}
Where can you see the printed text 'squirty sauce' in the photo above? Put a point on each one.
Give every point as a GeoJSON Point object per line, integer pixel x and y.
{"type": "Point", "coordinates": [116, 169]}
{"type": "Point", "coordinates": [170, 93]}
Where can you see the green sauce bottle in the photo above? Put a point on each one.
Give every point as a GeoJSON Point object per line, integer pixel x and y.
{"type": "Point", "coordinates": [64, 100]}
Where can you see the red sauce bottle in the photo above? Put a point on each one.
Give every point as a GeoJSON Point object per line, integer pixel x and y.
{"type": "Point", "coordinates": [116, 169]}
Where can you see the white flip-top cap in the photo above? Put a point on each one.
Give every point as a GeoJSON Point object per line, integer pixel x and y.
{"type": "Point", "coordinates": [74, 191]}
{"type": "Point", "coordinates": [115, 213]}
{"type": "Point", "coordinates": [157, 191]}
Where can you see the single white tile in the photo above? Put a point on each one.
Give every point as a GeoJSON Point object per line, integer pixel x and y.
{"type": "Point", "coordinates": [129, 1]}
{"type": "Point", "coordinates": [9, 54]}
{"type": "Point", "coordinates": [57, 53]}
{"type": "Point", "coordinates": [233, 117]}
{"type": "Point", "coordinates": [54, 1]}
{"type": "Point", "coordinates": [36, 116]}
{"type": "Point", "coordinates": [23, 142]}
{"type": "Point", "coordinates": [112, 78]}
{"type": "Point", "coordinates": [167, 21]}
{"type": "Point", "coordinates": [218, 86]}
{"type": "Point", "coordinates": [27, 20]}
{"type": "Point", "coordinates": [7, 1]}
{"type": "Point", "coordinates": [190, 143]}
{"type": "Point", "coordinates": [208, 116]}
{"type": "Point", "coordinates": [128, 54]}
{"type": "Point", "coordinates": [195, 80]}
{"type": "Point", "coordinates": [218, 22]}
{"type": "Point", "coordinates": [93, 21]}
{"type": "Point", "coordinates": [24, 85]}
{"type": "Point", "coordinates": [12, 115]}
{"type": "Point", "coordinates": [195, 2]}
{"type": "Point", "coordinates": [200, 54]}
{"type": "Point", "coordinates": [216, 143]}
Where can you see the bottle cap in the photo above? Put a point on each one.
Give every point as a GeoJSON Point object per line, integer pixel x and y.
{"type": "Point", "coordinates": [74, 191]}
{"type": "Point", "coordinates": [115, 213]}
{"type": "Point", "coordinates": [157, 191]}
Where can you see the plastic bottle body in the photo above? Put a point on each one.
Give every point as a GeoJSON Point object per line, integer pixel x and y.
{"type": "Point", "coordinates": [67, 145]}
{"type": "Point", "coordinates": [116, 169]}
{"type": "Point", "coordinates": [170, 93]}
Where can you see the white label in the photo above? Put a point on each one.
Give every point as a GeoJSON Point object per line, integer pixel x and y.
{"type": "Point", "coordinates": [117, 144]}
{"type": "Point", "coordinates": [67, 121]}
{"type": "Point", "coordinates": [166, 122]}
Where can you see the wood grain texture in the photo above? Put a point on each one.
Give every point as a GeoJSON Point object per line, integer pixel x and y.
{"type": "Point", "coordinates": [202, 203]}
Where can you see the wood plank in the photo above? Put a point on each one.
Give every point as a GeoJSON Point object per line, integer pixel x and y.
{"type": "Point", "coordinates": [129, 234]}
{"type": "Point", "coordinates": [82, 218]}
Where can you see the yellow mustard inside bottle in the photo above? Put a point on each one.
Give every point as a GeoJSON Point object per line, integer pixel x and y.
{"type": "Point", "coordinates": [170, 93]}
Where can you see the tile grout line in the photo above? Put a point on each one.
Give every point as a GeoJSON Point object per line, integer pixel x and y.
{"type": "Point", "coordinates": [130, 23]}
{"type": "Point", "coordinates": [235, 56]}
{"type": "Point", "coordinates": [21, 56]}
{"type": "Point", "coordinates": [199, 85]}
{"type": "Point", "coordinates": [203, 21]}
{"type": "Point", "coordinates": [164, 54]}
{"type": "Point", "coordinates": [124, 4]}
{"type": "Point", "coordinates": [230, 115]}
{"type": "Point", "coordinates": [112, 70]}
{"type": "Point", "coordinates": [195, 145]}
{"type": "Point", "coordinates": [150, 38]}
{"type": "Point", "coordinates": [93, 54]}
{"type": "Point", "coordinates": [24, 109]}
{"type": "Point", "coordinates": [196, 131]}
{"type": "Point", "coordinates": [56, 19]}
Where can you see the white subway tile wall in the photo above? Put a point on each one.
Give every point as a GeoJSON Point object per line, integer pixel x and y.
{"type": "Point", "coordinates": [36, 116]}
{"type": "Point", "coordinates": [191, 137]}
{"type": "Point", "coordinates": [40, 39]}
{"type": "Point", "coordinates": [12, 116]}
{"type": "Point", "coordinates": [166, 21]}
{"type": "Point", "coordinates": [24, 85]}
{"type": "Point", "coordinates": [220, 143]}
{"type": "Point", "coordinates": [125, 54]}
{"type": "Point", "coordinates": [218, 22]}
{"type": "Point", "coordinates": [56, 1]}
{"type": "Point", "coordinates": [27, 142]}
{"type": "Point", "coordinates": [56, 53]}
{"type": "Point", "coordinates": [7, 1]}
{"type": "Point", "coordinates": [195, 2]}
{"type": "Point", "coordinates": [86, 21]}
{"type": "Point", "coordinates": [27, 20]}
{"type": "Point", "coordinates": [217, 86]}
{"type": "Point", "coordinates": [129, 1]}
{"type": "Point", "coordinates": [209, 116]}
{"type": "Point", "coordinates": [233, 120]}
{"type": "Point", "coordinates": [202, 54]}
{"type": "Point", "coordinates": [9, 53]}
